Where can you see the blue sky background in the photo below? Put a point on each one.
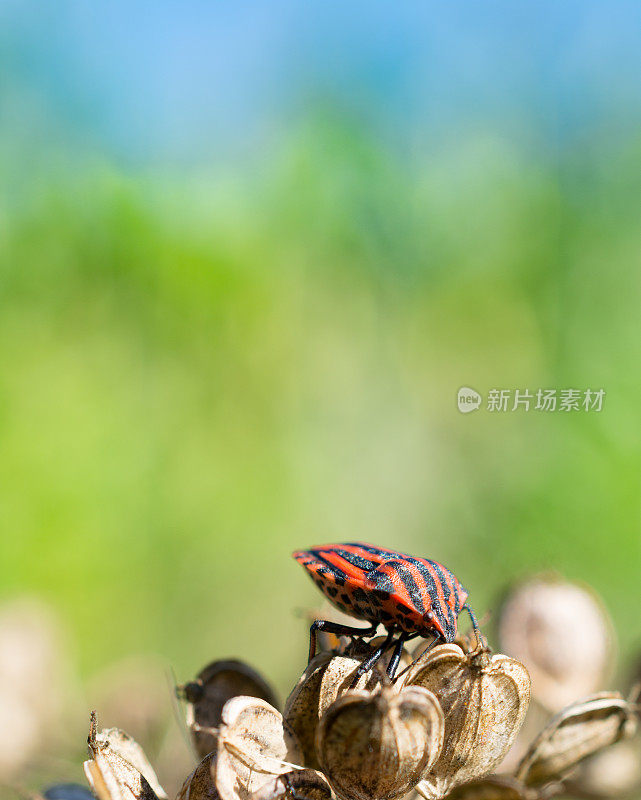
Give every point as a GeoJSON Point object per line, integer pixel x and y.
{"type": "Point", "coordinates": [148, 82]}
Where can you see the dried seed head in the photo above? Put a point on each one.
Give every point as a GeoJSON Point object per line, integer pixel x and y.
{"type": "Point", "coordinates": [582, 729]}
{"type": "Point", "coordinates": [611, 773]}
{"type": "Point", "coordinates": [200, 784]}
{"type": "Point", "coordinates": [562, 634]}
{"type": "Point", "coordinates": [118, 769]}
{"type": "Point", "coordinates": [217, 683]}
{"type": "Point", "coordinates": [327, 677]}
{"type": "Point", "coordinates": [302, 784]}
{"type": "Point", "coordinates": [254, 745]}
{"type": "Point", "coordinates": [378, 745]}
{"type": "Point", "coordinates": [484, 699]}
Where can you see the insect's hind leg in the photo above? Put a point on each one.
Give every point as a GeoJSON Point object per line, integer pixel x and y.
{"type": "Point", "coordinates": [338, 629]}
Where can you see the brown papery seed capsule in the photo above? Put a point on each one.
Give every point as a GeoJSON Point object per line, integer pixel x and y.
{"type": "Point", "coordinates": [118, 768]}
{"type": "Point", "coordinates": [327, 677]}
{"type": "Point", "coordinates": [254, 746]}
{"type": "Point", "coordinates": [378, 745]}
{"type": "Point", "coordinates": [495, 787]}
{"type": "Point", "coordinates": [302, 784]}
{"type": "Point", "coordinates": [582, 729]}
{"type": "Point", "coordinates": [484, 700]}
{"type": "Point", "coordinates": [217, 683]}
{"type": "Point", "coordinates": [563, 635]}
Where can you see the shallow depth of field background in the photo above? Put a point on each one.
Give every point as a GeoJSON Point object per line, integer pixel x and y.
{"type": "Point", "coordinates": [248, 255]}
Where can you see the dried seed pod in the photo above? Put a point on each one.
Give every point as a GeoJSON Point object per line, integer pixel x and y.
{"type": "Point", "coordinates": [302, 784]}
{"type": "Point", "coordinates": [327, 677]}
{"type": "Point", "coordinates": [378, 745]}
{"type": "Point", "coordinates": [217, 683]}
{"type": "Point", "coordinates": [118, 768]}
{"type": "Point", "coordinates": [495, 787]}
{"type": "Point", "coordinates": [200, 784]}
{"type": "Point", "coordinates": [581, 730]}
{"type": "Point", "coordinates": [611, 773]}
{"type": "Point", "coordinates": [484, 699]}
{"type": "Point", "coordinates": [254, 745]}
{"type": "Point", "coordinates": [563, 635]}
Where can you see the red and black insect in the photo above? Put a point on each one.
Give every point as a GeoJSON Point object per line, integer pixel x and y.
{"type": "Point", "coordinates": [409, 596]}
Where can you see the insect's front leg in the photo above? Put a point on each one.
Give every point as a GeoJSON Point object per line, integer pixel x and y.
{"type": "Point", "coordinates": [338, 629]}
{"type": "Point", "coordinates": [396, 655]}
{"type": "Point", "coordinates": [369, 663]}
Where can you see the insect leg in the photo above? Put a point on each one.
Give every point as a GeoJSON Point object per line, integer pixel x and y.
{"type": "Point", "coordinates": [369, 663]}
{"type": "Point", "coordinates": [396, 655]}
{"type": "Point", "coordinates": [338, 629]}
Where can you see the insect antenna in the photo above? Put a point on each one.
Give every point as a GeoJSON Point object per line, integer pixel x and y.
{"type": "Point", "coordinates": [437, 640]}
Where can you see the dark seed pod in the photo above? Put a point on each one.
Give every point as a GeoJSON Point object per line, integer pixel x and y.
{"type": "Point", "coordinates": [217, 683]}
{"type": "Point", "coordinates": [582, 729]}
{"type": "Point", "coordinates": [192, 692]}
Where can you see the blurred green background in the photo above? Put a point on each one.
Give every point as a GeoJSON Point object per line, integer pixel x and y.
{"type": "Point", "coordinates": [212, 357]}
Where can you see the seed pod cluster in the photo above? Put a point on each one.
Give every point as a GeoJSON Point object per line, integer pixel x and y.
{"type": "Point", "coordinates": [441, 729]}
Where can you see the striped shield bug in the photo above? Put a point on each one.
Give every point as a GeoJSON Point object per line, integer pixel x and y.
{"type": "Point", "coordinates": [409, 596]}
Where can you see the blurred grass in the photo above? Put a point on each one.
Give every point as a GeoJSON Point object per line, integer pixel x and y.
{"type": "Point", "coordinates": [201, 373]}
